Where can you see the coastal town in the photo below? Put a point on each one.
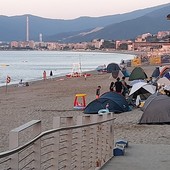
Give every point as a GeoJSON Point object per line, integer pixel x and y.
{"type": "Point", "coordinates": [147, 42]}
{"type": "Point", "coordinates": [150, 49]}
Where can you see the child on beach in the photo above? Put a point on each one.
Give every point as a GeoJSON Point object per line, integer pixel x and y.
{"type": "Point", "coordinates": [98, 92]}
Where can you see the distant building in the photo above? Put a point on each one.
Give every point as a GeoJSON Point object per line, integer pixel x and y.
{"type": "Point", "coordinates": [162, 34]}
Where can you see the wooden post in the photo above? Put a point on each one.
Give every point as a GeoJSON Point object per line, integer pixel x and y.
{"type": "Point", "coordinates": [69, 122]}
{"type": "Point", "coordinates": [55, 161]}
{"type": "Point", "coordinates": [86, 159]}
{"type": "Point", "coordinates": [79, 144]}
{"type": "Point", "coordinates": [37, 146]}
{"type": "Point", "coordinates": [14, 142]}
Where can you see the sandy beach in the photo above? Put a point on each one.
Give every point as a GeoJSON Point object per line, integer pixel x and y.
{"type": "Point", "coordinates": [44, 100]}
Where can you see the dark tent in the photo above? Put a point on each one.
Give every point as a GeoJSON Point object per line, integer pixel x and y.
{"type": "Point", "coordinates": [149, 99]}
{"type": "Point", "coordinates": [137, 74]}
{"type": "Point", "coordinates": [157, 111]}
{"type": "Point", "coordinates": [167, 75]}
{"type": "Point", "coordinates": [117, 103]}
{"type": "Point", "coordinates": [156, 72]}
{"type": "Point", "coordinates": [112, 67]}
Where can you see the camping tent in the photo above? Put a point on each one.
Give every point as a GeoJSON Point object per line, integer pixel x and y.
{"type": "Point", "coordinates": [136, 81]}
{"type": "Point", "coordinates": [137, 74]}
{"type": "Point", "coordinates": [149, 99]}
{"type": "Point", "coordinates": [117, 103]}
{"type": "Point", "coordinates": [142, 87]}
{"type": "Point", "coordinates": [164, 81]}
{"type": "Point", "coordinates": [115, 70]}
{"type": "Point", "coordinates": [164, 70]}
{"type": "Point", "coordinates": [112, 67]}
{"type": "Point", "coordinates": [156, 72]}
{"type": "Point", "coordinates": [125, 72]}
{"type": "Point", "coordinates": [157, 111]}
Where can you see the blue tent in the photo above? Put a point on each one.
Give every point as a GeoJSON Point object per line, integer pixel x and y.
{"type": "Point", "coordinates": [117, 103]}
{"type": "Point", "coordinates": [156, 72]}
{"type": "Point", "coordinates": [125, 73]}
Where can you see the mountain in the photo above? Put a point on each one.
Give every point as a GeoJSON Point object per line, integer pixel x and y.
{"type": "Point", "coordinates": [151, 22]}
{"type": "Point", "coordinates": [14, 28]}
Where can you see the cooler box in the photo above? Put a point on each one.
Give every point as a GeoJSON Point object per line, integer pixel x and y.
{"type": "Point", "coordinates": [118, 151]}
{"type": "Point", "coordinates": [122, 142]}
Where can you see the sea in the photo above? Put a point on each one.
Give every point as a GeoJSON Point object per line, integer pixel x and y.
{"type": "Point", "coordinates": [30, 65]}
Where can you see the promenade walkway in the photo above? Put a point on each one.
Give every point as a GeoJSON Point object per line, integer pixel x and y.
{"type": "Point", "coordinates": [141, 157]}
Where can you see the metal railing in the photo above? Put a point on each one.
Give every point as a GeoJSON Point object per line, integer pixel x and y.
{"type": "Point", "coordinates": [74, 143]}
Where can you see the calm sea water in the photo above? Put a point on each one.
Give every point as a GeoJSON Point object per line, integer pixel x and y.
{"type": "Point", "coordinates": [29, 65]}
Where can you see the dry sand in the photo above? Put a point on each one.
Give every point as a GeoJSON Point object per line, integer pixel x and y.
{"type": "Point", "coordinates": [43, 100]}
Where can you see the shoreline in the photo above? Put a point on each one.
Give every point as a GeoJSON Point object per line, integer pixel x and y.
{"type": "Point", "coordinates": [37, 71]}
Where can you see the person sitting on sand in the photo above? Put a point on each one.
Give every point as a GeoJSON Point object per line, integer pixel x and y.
{"type": "Point", "coordinates": [20, 84]}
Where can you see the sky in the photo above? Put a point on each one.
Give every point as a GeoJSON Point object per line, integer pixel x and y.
{"type": "Point", "coordinates": [71, 9]}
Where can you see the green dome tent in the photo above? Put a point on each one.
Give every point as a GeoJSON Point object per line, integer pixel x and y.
{"type": "Point", "coordinates": [137, 74]}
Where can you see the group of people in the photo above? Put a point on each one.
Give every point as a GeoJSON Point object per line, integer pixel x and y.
{"type": "Point", "coordinates": [45, 75]}
{"type": "Point", "coordinates": [120, 86]}
{"type": "Point", "coordinates": [21, 83]}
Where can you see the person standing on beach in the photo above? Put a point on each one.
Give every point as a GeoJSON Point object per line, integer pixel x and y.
{"type": "Point", "coordinates": [98, 92]}
{"type": "Point", "coordinates": [124, 87]}
{"type": "Point", "coordinates": [118, 86]}
{"type": "Point", "coordinates": [44, 75]}
{"type": "Point", "coordinates": [85, 76]}
{"type": "Point", "coordinates": [111, 88]}
{"type": "Point", "coordinates": [51, 74]}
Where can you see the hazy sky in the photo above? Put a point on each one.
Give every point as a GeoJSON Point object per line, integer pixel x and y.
{"type": "Point", "coordinates": [71, 9]}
